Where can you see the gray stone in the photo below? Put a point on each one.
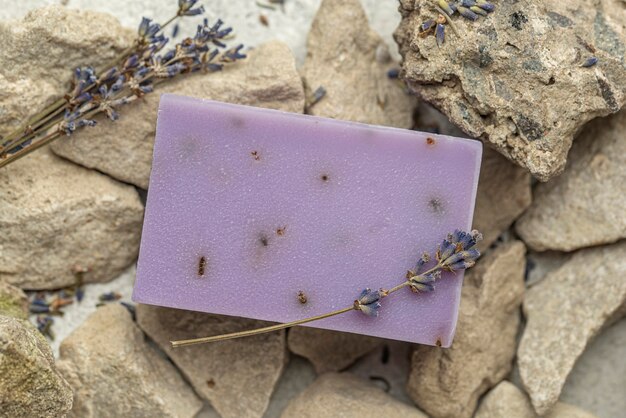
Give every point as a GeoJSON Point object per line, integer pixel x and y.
{"type": "Point", "coordinates": [598, 379]}
{"type": "Point", "coordinates": [503, 195]}
{"type": "Point", "coordinates": [388, 367]}
{"type": "Point", "coordinates": [506, 400]}
{"type": "Point", "coordinates": [515, 79]}
{"type": "Point", "coordinates": [268, 78]}
{"type": "Point", "coordinates": [30, 385]}
{"type": "Point", "coordinates": [540, 264]}
{"type": "Point", "coordinates": [13, 301]}
{"type": "Point", "coordinates": [298, 375]}
{"type": "Point", "coordinates": [584, 206]}
{"type": "Point", "coordinates": [344, 395]}
{"type": "Point", "coordinates": [350, 61]}
{"type": "Point", "coordinates": [329, 351]}
{"type": "Point", "coordinates": [40, 52]}
{"type": "Point", "coordinates": [55, 215]}
{"type": "Point", "coordinates": [236, 376]}
{"type": "Point", "coordinates": [564, 312]}
{"type": "Point", "coordinates": [115, 373]}
{"type": "Point", "coordinates": [448, 382]}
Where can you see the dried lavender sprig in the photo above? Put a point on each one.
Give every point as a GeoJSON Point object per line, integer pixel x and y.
{"type": "Point", "coordinates": [147, 29]}
{"type": "Point", "coordinates": [456, 253]}
{"type": "Point", "coordinates": [136, 75]}
{"type": "Point", "coordinates": [84, 80]}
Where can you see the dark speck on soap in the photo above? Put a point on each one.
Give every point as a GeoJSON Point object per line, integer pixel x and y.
{"type": "Point", "coordinates": [201, 266]}
{"type": "Point", "coordinates": [436, 206]}
{"type": "Point", "coordinates": [264, 240]}
{"type": "Point", "coordinates": [238, 122]}
{"type": "Point", "coordinates": [302, 297]}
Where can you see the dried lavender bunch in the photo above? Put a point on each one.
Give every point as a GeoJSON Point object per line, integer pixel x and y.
{"type": "Point", "coordinates": [132, 75]}
{"type": "Point", "coordinates": [457, 252]}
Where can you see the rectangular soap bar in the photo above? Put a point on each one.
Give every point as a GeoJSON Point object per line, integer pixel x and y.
{"type": "Point", "coordinates": [248, 207]}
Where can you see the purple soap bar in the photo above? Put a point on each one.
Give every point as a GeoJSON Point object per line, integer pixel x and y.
{"type": "Point", "coordinates": [249, 207]}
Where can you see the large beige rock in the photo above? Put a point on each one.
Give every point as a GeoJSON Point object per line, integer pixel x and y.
{"type": "Point", "coordinates": [564, 312]}
{"type": "Point", "coordinates": [350, 61]}
{"type": "Point", "coordinates": [55, 215]}
{"type": "Point", "coordinates": [30, 385]}
{"type": "Point", "coordinates": [236, 376]}
{"type": "Point", "coordinates": [585, 205]}
{"type": "Point", "coordinates": [448, 382]}
{"type": "Point", "coordinates": [115, 373]}
{"type": "Point", "coordinates": [344, 395]}
{"type": "Point", "coordinates": [329, 351]}
{"type": "Point", "coordinates": [13, 301]}
{"type": "Point", "coordinates": [503, 195]}
{"type": "Point", "coordinates": [506, 400]}
{"type": "Point", "coordinates": [39, 53]}
{"type": "Point", "coordinates": [515, 79]}
{"type": "Point", "coordinates": [123, 149]}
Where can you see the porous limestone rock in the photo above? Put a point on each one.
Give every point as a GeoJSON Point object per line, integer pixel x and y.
{"type": "Point", "coordinates": [329, 351]}
{"type": "Point", "coordinates": [347, 396]}
{"type": "Point", "coordinates": [506, 400]}
{"type": "Point", "coordinates": [55, 215]}
{"type": "Point", "coordinates": [564, 312]}
{"type": "Point", "coordinates": [13, 301]}
{"type": "Point", "coordinates": [515, 77]}
{"type": "Point", "coordinates": [115, 373]}
{"type": "Point", "coordinates": [446, 383]}
{"type": "Point", "coordinates": [584, 206]}
{"type": "Point", "coordinates": [123, 149]}
{"type": "Point", "coordinates": [350, 61]}
{"type": "Point", "coordinates": [30, 385]}
{"type": "Point", "coordinates": [236, 376]}
{"type": "Point", "coordinates": [40, 52]}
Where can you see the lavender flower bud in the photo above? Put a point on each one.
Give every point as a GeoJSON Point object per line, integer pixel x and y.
{"type": "Point", "coordinates": [368, 302]}
{"type": "Point", "coordinates": [185, 8]}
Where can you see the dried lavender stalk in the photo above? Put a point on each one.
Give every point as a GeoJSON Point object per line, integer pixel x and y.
{"type": "Point", "coordinates": [456, 253]}
{"type": "Point", "coordinates": [135, 73]}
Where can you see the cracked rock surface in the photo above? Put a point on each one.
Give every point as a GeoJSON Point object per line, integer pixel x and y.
{"type": "Point", "coordinates": [515, 77]}
{"type": "Point", "coordinates": [581, 208]}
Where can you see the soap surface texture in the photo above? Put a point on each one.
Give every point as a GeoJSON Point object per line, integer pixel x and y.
{"type": "Point", "coordinates": [276, 216]}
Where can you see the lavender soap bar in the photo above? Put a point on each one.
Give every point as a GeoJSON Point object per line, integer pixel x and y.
{"type": "Point", "coordinates": [277, 216]}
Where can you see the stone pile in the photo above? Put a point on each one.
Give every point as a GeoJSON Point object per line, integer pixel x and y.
{"type": "Point", "coordinates": [550, 281]}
